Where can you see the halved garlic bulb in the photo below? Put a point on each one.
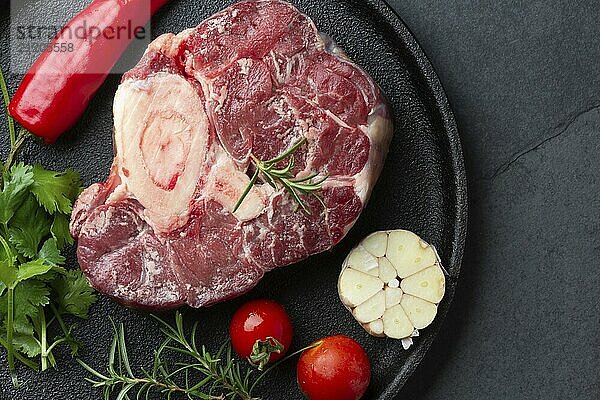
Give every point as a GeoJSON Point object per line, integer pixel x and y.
{"type": "Point", "coordinates": [392, 283]}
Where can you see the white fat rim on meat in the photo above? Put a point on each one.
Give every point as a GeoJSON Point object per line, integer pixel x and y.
{"type": "Point", "coordinates": [379, 130]}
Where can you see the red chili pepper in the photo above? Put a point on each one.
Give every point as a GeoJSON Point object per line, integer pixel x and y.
{"type": "Point", "coordinates": [58, 87]}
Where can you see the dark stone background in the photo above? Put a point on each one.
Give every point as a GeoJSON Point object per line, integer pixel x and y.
{"type": "Point", "coordinates": [523, 78]}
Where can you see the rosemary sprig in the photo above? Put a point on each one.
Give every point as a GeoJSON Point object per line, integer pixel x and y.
{"type": "Point", "coordinates": [294, 186]}
{"type": "Point", "coordinates": [206, 376]}
{"type": "Point", "coordinates": [219, 373]}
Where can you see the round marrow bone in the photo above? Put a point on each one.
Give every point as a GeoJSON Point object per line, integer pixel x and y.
{"type": "Point", "coordinates": [392, 283]}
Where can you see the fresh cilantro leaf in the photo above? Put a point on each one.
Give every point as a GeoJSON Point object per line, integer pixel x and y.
{"type": "Point", "coordinates": [53, 273]}
{"type": "Point", "coordinates": [28, 345]}
{"type": "Point", "coordinates": [35, 207]}
{"type": "Point", "coordinates": [18, 180]}
{"type": "Point", "coordinates": [56, 270]}
{"type": "Point", "coordinates": [32, 268]}
{"type": "Point", "coordinates": [60, 230]}
{"type": "Point", "coordinates": [25, 213]}
{"type": "Point", "coordinates": [29, 295]}
{"type": "Point", "coordinates": [74, 294]}
{"type": "Point", "coordinates": [21, 173]}
{"type": "Point", "coordinates": [50, 253]}
{"type": "Point", "coordinates": [55, 191]}
{"type": "Point", "coordinates": [23, 326]}
{"type": "Point", "coordinates": [29, 226]}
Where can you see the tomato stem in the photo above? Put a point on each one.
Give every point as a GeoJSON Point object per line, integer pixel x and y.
{"type": "Point", "coordinates": [284, 359]}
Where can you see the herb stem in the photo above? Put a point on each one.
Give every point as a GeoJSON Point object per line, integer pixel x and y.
{"type": "Point", "coordinates": [253, 157]}
{"type": "Point", "coordinates": [246, 190]}
{"type": "Point", "coordinates": [15, 149]}
{"type": "Point", "coordinates": [52, 346]}
{"type": "Point", "coordinates": [44, 340]}
{"type": "Point", "coordinates": [9, 335]}
{"type": "Point", "coordinates": [61, 323]}
{"type": "Point", "coordinates": [6, 98]}
{"type": "Point", "coordinates": [137, 381]}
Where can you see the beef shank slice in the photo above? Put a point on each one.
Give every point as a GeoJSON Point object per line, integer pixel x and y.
{"type": "Point", "coordinates": [250, 81]}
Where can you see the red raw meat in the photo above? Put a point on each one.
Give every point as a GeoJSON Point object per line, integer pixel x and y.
{"type": "Point", "coordinates": [253, 79]}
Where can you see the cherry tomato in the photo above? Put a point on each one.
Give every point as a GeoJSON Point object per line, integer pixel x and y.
{"type": "Point", "coordinates": [253, 328]}
{"type": "Point", "coordinates": [337, 369]}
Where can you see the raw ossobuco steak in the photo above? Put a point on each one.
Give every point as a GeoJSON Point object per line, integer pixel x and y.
{"type": "Point", "coordinates": [252, 80]}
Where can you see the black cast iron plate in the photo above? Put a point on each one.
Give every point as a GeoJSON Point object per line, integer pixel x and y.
{"type": "Point", "coordinates": [422, 188]}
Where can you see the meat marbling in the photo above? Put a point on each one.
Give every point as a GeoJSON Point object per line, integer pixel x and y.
{"type": "Point", "coordinates": [253, 79]}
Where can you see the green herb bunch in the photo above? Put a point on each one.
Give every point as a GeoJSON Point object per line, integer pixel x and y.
{"type": "Point", "coordinates": [36, 291]}
{"type": "Point", "coordinates": [196, 373]}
